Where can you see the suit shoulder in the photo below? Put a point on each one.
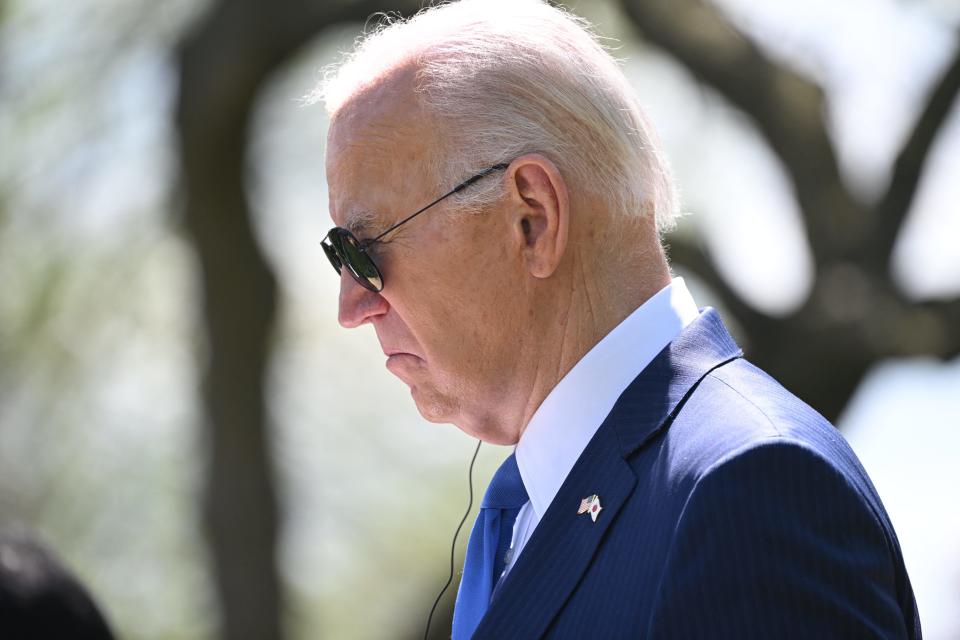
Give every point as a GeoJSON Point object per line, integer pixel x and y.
{"type": "Point", "coordinates": [737, 406]}
{"type": "Point", "coordinates": [738, 410]}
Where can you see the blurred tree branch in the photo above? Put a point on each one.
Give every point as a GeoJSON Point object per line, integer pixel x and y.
{"type": "Point", "coordinates": [691, 253]}
{"type": "Point", "coordinates": [855, 315]}
{"type": "Point", "coordinates": [786, 108]}
{"type": "Point", "coordinates": [895, 204]}
{"type": "Point", "coordinates": [224, 63]}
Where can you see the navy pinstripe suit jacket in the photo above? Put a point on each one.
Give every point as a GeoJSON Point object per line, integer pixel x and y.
{"type": "Point", "coordinates": [730, 510]}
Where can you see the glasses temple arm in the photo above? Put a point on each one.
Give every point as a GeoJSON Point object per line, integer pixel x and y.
{"type": "Point", "coordinates": [460, 187]}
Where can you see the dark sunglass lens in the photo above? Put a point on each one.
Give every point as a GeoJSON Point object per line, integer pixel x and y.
{"type": "Point", "coordinates": [376, 281]}
{"type": "Point", "coordinates": [332, 256]}
{"type": "Point", "coordinates": [359, 263]}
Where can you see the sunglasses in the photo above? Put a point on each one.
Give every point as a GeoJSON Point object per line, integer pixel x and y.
{"type": "Point", "coordinates": [344, 250]}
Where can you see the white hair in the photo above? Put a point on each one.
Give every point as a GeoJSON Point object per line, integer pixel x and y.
{"type": "Point", "coordinates": [509, 77]}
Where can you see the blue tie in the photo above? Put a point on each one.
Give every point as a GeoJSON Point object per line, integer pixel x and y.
{"type": "Point", "coordinates": [488, 545]}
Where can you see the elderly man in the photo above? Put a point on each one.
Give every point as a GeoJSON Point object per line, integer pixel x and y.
{"type": "Point", "coordinates": [499, 198]}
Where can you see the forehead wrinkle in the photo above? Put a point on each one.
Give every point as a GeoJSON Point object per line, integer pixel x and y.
{"type": "Point", "coordinates": [374, 132]}
{"type": "Point", "coordinates": [386, 133]}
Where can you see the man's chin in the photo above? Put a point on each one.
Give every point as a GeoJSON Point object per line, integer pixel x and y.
{"type": "Point", "coordinates": [432, 408]}
{"type": "Point", "coordinates": [442, 410]}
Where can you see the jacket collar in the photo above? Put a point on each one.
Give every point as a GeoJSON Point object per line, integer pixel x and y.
{"type": "Point", "coordinates": [656, 395]}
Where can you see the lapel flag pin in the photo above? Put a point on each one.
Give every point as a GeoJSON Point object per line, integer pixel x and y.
{"type": "Point", "coordinates": [590, 505]}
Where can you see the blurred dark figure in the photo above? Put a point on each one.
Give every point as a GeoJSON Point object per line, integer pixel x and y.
{"type": "Point", "coordinates": [39, 598]}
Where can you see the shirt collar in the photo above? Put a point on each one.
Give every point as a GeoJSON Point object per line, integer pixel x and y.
{"type": "Point", "coordinates": [572, 412]}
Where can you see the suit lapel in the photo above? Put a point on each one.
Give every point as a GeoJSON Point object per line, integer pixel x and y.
{"type": "Point", "coordinates": [564, 543]}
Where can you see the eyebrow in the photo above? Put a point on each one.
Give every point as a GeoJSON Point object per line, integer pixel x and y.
{"type": "Point", "coordinates": [360, 220]}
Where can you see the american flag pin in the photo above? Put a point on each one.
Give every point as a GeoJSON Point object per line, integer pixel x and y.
{"type": "Point", "coordinates": [590, 505]}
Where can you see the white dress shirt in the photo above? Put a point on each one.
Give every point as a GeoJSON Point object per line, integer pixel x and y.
{"type": "Point", "coordinates": [572, 412]}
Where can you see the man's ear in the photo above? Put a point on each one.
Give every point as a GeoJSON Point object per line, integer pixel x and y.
{"type": "Point", "coordinates": [541, 212]}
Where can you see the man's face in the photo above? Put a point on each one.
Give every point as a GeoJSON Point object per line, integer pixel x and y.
{"type": "Point", "coordinates": [448, 317]}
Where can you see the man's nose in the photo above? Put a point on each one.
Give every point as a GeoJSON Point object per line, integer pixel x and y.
{"type": "Point", "coordinates": [358, 305]}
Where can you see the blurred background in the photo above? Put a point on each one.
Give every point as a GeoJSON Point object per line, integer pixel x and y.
{"type": "Point", "coordinates": [182, 418]}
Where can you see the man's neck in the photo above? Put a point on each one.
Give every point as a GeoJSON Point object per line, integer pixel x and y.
{"type": "Point", "coordinates": [581, 317]}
